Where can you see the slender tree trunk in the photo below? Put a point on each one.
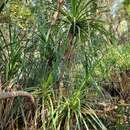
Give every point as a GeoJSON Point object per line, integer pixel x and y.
{"type": "Point", "coordinates": [68, 55]}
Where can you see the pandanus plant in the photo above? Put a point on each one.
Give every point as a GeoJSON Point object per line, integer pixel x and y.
{"type": "Point", "coordinates": [78, 20]}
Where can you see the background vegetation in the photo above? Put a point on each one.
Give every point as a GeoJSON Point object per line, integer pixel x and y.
{"type": "Point", "coordinates": [64, 65]}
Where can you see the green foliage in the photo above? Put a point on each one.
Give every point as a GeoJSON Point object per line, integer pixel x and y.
{"type": "Point", "coordinates": [32, 52]}
{"type": "Point", "coordinates": [80, 19]}
{"type": "Point", "coordinates": [116, 58]}
{"type": "Point", "coordinates": [21, 14]}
